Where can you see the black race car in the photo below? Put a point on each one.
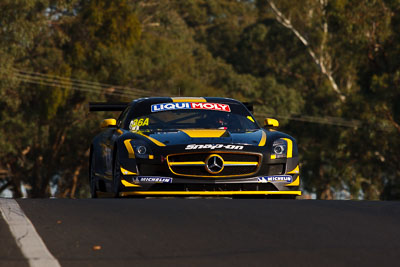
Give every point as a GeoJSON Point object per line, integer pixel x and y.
{"type": "Point", "coordinates": [198, 146]}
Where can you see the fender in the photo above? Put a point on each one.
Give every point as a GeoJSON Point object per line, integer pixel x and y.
{"type": "Point", "coordinates": [97, 152]}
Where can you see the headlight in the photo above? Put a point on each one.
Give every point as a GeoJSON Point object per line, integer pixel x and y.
{"type": "Point", "coordinates": [142, 149]}
{"type": "Point", "coordinates": [279, 149]}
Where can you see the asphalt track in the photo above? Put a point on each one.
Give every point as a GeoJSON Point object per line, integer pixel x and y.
{"type": "Point", "coordinates": [211, 232]}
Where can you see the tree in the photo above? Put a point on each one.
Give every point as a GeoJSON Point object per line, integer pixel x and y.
{"type": "Point", "coordinates": [294, 60]}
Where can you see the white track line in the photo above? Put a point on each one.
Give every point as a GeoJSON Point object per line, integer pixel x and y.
{"type": "Point", "coordinates": [29, 241]}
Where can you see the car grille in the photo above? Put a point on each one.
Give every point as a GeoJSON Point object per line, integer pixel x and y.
{"type": "Point", "coordinates": [195, 164]}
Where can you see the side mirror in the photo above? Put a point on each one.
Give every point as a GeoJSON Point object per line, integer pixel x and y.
{"type": "Point", "coordinates": [108, 123]}
{"type": "Point", "coordinates": [271, 123]}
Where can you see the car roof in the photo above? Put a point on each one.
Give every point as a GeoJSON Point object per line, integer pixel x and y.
{"type": "Point", "coordinates": [156, 100]}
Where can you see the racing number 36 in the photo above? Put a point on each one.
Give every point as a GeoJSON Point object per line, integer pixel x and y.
{"type": "Point", "coordinates": [139, 122]}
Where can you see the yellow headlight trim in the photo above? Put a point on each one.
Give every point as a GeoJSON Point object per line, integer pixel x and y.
{"type": "Point", "coordinates": [131, 152]}
{"type": "Point", "coordinates": [263, 139]}
{"type": "Point", "coordinates": [289, 147]}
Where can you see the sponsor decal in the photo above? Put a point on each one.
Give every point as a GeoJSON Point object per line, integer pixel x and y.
{"type": "Point", "coordinates": [275, 178]}
{"type": "Point", "coordinates": [213, 146]}
{"type": "Point", "coordinates": [190, 105]}
{"type": "Point", "coordinates": [152, 179]}
{"type": "Point", "coordinates": [135, 124]}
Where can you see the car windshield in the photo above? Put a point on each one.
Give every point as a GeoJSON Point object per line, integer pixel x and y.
{"type": "Point", "coordinates": [235, 119]}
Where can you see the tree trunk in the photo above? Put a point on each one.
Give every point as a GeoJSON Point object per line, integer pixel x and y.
{"type": "Point", "coordinates": [320, 62]}
{"type": "Point", "coordinates": [75, 180]}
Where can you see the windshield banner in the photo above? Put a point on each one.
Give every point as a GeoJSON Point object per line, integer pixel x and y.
{"type": "Point", "coordinates": [190, 105]}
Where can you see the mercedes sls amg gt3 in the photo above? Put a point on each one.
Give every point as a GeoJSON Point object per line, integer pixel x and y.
{"type": "Point", "coordinates": [197, 146]}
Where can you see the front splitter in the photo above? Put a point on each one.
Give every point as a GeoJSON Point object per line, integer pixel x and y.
{"type": "Point", "coordinates": [207, 193]}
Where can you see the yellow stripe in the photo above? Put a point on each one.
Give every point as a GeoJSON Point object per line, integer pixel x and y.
{"type": "Point", "coordinates": [238, 163]}
{"type": "Point", "coordinates": [250, 118]}
{"type": "Point", "coordinates": [155, 141]}
{"type": "Point", "coordinates": [151, 156]}
{"type": "Point", "coordinates": [126, 172]}
{"type": "Point", "coordinates": [289, 147]}
{"type": "Point", "coordinates": [295, 182]}
{"type": "Point", "coordinates": [188, 99]}
{"type": "Point", "coordinates": [204, 133]}
{"type": "Point", "coordinates": [295, 170]}
{"type": "Point", "coordinates": [187, 163]}
{"type": "Point", "coordinates": [119, 131]}
{"type": "Point", "coordinates": [211, 193]}
{"type": "Point", "coordinates": [226, 163]}
{"type": "Point", "coordinates": [273, 156]}
{"type": "Point", "coordinates": [263, 139]}
{"type": "Point", "coordinates": [128, 184]}
{"type": "Point", "coordinates": [129, 147]}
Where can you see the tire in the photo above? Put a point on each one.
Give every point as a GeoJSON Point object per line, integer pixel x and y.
{"type": "Point", "coordinates": [116, 176]}
{"type": "Point", "coordinates": [92, 178]}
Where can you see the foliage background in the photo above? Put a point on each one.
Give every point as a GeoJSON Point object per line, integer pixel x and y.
{"type": "Point", "coordinates": [328, 69]}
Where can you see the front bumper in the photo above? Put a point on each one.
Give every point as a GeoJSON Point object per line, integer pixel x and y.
{"type": "Point", "coordinates": [171, 186]}
{"type": "Point", "coordinates": [155, 177]}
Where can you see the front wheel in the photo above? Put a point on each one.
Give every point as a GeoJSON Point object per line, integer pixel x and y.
{"type": "Point", "coordinates": [116, 176]}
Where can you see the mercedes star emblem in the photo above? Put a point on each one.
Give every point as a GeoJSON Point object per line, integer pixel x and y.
{"type": "Point", "coordinates": [214, 164]}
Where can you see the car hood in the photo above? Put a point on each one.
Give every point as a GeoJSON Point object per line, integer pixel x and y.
{"type": "Point", "coordinates": [202, 136]}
